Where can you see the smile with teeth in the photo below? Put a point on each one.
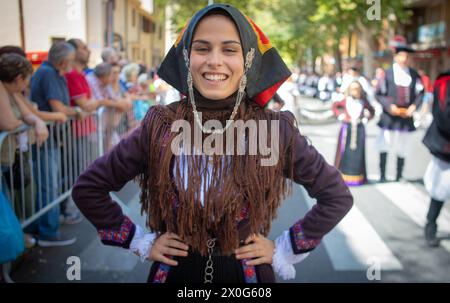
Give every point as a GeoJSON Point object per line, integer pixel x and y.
{"type": "Point", "coordinates": [215, 77]}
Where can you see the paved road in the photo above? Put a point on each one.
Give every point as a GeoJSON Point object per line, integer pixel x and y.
{"type": "Point", "coordinates": [384, 227]}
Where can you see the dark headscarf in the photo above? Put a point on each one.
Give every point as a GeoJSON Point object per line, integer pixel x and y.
{"type": "Point", "coordinates": [266, 74]}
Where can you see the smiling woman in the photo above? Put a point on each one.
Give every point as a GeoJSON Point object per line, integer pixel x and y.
{"type": "Point", "coordinates": [210, 213]}
{"type": "Point", "coordinates": [217, 62]}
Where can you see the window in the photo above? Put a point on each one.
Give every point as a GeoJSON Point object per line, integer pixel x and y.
{"type": "Point", "coordinates": [133, 18]}
{"type": "Point", "coordinates": [57, 39]}
{"type": "Point", "coordinates": [147, 25]}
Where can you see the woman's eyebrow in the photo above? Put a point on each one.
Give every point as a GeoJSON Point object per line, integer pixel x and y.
{"type": "Point", "coordinates": [201, 41]}
{"type": "Point", "coordinates": [224, 42]}
{"type": "Point", "coordinates": [231, 42]}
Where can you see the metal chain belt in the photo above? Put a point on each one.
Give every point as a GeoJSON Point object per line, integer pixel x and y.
{"type": "Point", "coordinates": [209, 270]}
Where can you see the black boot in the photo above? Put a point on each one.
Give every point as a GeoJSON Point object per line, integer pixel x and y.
{"type": "Point", "coordinates": [431, 226]}
{"type": "Point", "coordinates": [400, 165]}
{"type": "Point", "coordinates": [383, 158]}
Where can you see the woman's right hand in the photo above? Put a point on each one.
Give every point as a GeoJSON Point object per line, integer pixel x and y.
{"type": "Point", "coordinates": [168, 244]}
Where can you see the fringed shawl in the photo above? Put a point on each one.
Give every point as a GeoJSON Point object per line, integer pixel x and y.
{"type": "Point", "coordinates": [237, 183]}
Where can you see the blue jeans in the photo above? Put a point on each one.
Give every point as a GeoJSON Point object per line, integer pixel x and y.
{"type": "Point", "coordinates": [47, 225]}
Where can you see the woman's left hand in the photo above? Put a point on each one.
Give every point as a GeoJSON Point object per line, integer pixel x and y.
{"type": "Point", "coordinates": [258, 248]}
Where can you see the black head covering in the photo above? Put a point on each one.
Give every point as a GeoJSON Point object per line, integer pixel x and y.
{"type": "Point", "coordinates": [266, 74]}
{"type": "Point", "coordinates": [403, 49]}
{"type": "Point", "coordinates": [398, 44]}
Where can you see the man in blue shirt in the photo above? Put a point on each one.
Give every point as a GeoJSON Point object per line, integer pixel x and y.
{"type": "Point", "coordinates": [49, 90]}
{"type": "Point", "coordinates": [48, 84]}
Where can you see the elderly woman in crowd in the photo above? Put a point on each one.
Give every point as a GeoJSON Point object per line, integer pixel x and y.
{"type": "Point", "coordinates": [129, 76]}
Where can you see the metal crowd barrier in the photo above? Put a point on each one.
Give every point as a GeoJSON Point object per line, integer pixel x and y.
{"type": "Point", "coordinates": [38, 179]}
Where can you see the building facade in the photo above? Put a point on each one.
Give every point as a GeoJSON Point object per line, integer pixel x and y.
{"type": "Point", "coordinates": [133, 27]}
{"type": "Point", "coordinates": [429, 35]}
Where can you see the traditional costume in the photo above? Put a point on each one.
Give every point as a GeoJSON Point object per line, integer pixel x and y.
{"type": "Point", "coordinates": [437, 139]}
{"type": "Point", "coordinates": [214, 202]}
{"type": "Point", "coordinates": [401, 87]}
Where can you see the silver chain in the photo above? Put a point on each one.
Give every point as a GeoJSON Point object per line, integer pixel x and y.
{"type": "Point", "coordinates": [242, 84]}
{"type": "Point", "coordinates": [209, 270]}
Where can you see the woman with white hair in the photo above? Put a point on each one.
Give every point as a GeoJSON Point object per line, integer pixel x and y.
{"type": "Point", "coordinates": [129, 76]}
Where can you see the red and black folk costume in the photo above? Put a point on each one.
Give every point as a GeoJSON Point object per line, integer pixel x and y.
{"type": "Point", "coordinates": [205, 197]}
{"type": "Point", "coordinates": [437, 140]}
{"type": "Point", "coordinates": [402, 87]}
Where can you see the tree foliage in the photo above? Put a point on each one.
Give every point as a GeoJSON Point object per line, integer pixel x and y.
{"type": "Point", "coordinates": [302, 29]}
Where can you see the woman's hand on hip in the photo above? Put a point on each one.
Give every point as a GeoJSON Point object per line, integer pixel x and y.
{"type": "Point", "coordinates": [168, 244]}
{"type": "Point", "coordinates": [258, 248]}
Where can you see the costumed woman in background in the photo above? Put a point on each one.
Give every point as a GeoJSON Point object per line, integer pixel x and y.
{"type": "Point", "coordinates": [354, 111]}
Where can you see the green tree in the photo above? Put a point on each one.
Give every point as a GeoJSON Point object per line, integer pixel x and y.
{"type": "Point", "coordinates": [299, 40]}
{"type": "Point", "coordinates": [283, 21]}
{"type": "Point", "coordinates": [303, 29]}
{"type": "Point", "coordinates": [184, 9]}
{"type": "Point", "coordinates": [365, 17]}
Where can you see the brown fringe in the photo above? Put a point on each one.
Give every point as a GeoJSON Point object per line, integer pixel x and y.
{"type": "Point", "coordinates": [235, 183]}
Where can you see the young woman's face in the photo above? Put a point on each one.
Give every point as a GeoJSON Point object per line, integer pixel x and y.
{"type": "Point", "coordinates": [216, 60]}
{"type": "Point", "coordinates": [355, 90]}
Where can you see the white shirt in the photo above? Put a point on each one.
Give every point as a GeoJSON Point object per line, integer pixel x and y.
{"type": "Point", "coordinates": [402, 77]}
{"type": "Point", "coordinates": [354, 107]}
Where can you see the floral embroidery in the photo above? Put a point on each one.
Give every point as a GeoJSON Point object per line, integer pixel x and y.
{"type": "Point", "coordinates": [121, 236]}
{"type": "Point", "coordinates": [161, 273]}
{"type": "Point", "coordinates": [243, 214]}
{"type": "Point", "coordinates": [249, 272]}
{"type": "Point", "coordinates": [300, 243]}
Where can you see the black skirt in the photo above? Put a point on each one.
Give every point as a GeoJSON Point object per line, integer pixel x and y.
{"type": "Point", "coordinates": [226, 269]}
{"type": "Point", "coordinates": [387, 121]}
{"type": "Point", "coordinates": [351, 162]}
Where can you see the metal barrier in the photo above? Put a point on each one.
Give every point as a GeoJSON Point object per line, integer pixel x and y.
{"type": "Point", "coordinates": [47, 173]}
{"type": "Point", "coordinates": [113, 127]}
{"type": "Point", "coordinates": [36, 179]}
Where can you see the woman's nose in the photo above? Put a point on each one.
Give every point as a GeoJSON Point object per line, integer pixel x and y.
{"type": "Point", "coordinates": [214, 59]}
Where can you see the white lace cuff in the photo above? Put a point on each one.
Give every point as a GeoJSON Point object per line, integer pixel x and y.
{"type": "Point", "coordinates": [284, 257]}
{"type": "Point", "coordinates": [142, 243]}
